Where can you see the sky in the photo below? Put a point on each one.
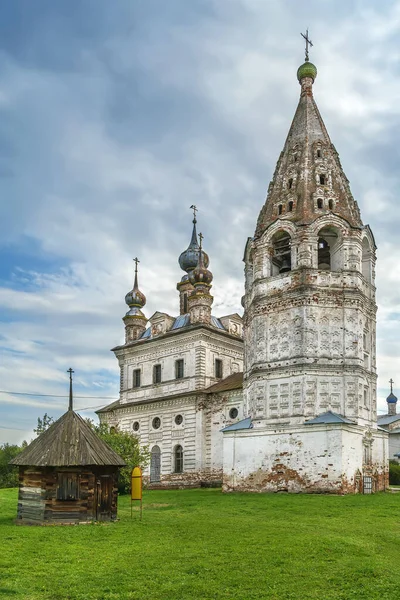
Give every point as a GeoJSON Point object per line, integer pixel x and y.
{"type": "Point", "coordinates": [116, 117]}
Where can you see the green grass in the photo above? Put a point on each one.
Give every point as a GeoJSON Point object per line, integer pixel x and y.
{"type": "Point", "coordinates": [202, 544]}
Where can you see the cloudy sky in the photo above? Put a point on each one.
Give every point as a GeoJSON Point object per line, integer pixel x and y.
{"type": "Point", "coordinates": [115, 117]}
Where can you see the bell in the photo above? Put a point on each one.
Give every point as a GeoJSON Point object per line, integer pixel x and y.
{"type": "Point", "coordinates": [285, 267]}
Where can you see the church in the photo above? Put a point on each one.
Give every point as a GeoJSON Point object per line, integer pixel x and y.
{"type": "Point", "coordinates": [283, 399]}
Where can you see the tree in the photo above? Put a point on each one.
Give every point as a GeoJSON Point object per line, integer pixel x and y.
{"type": "Point", "coordinates": [127, 446]}
{"type": "Point", "coordinates": [8, 473]}
{"type": "Point", "coordinates": [43, 424]}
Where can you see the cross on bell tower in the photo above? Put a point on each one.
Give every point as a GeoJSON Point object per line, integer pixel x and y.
{"type": "Point", "coordinates": [70, 405]}
{"type": "Point", "coordinates": [308, 43]}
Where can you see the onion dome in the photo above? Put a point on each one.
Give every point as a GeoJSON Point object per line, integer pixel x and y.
{"type": "Point", "coordinates": [135, 298]}
{"type": "Point", "coordinates": [200, 274]}
{"type": "Point", "coordinates": [307, 70]}
{"type": "Point", "coordinates": [190, 257]}
{"type": "Point", "coordinates": [391, 399]}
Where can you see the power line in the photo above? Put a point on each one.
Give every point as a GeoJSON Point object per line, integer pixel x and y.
{"type": "Point", "coordinates": [55, 395]}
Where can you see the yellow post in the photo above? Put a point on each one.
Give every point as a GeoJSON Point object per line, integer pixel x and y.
{"type": "Point", "coordinates": [136, 487]}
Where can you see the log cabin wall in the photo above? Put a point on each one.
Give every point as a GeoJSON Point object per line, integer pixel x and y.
{"type": "Point", "coordinates": [67, 495]}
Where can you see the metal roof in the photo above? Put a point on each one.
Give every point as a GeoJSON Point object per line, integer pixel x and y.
{"type": "Point", "coordinates": [387, 419]}
{"type": "Point", "coordinates": [328, 417]}
{"type": "Point", "coordinates": [68, 442]}
{"type": "Point", "coordinates": [180, 322]}
{"type": "Point", "coordinates": [232, 382]}
{"type": "Point", "coordinates": [243, 424]}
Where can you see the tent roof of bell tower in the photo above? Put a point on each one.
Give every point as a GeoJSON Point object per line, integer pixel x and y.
{"type": "Point", "coordinates": [308, 179]}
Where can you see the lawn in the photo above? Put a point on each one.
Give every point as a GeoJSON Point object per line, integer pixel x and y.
{"type": "Point", "coordinates": [202, 544]}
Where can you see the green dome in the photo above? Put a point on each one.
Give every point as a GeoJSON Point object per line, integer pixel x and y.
{"type": "Point", "coordinates": [307, 70]}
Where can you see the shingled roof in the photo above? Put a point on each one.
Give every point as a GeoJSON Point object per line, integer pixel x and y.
{"type": "Point", "coordinates": [68, 442]}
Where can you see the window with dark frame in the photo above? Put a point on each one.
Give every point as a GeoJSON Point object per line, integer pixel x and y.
{"type": "Point", "coordinates": [322, 179]}
{"type": "Point", "coordinates": [136, 426]}
{"type": "Point", "coordinates": [68, 486]}
{"type": "Point", "coordinates": [290, 183]}
{"type": "Point", "coordinates": [185, 303]}
{"type": "Point", "coordinates": [179, 369]}
{"type": "Point", "coordinates": [157, 374]}
{"type": "Point", "coordinates": [280, 208]}
{"type": "Point", "coordinates": [319, 203]}
{"type": "Point", "coordinates": [178, 456]}
{"type": "Point", "coordinates": [136, 378]}
{"type": "Point", "coordinates": [290, 206]}
{"type": "Point", "coordinates": [156, 423]}
{"type": "Point", "coordinates": [233, 413]}
{"type": "Point", "coordinates": [218, 368]}
{"type": "Point", "coordinates": [179, 419]}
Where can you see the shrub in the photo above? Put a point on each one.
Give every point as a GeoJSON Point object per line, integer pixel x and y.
{"type": "Point", "coordinates": [394, 472]}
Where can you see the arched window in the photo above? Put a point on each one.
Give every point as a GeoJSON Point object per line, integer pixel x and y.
{"type": "Point", "coordinates": [290, 183]}
{"type": "Point", "coordinates": [185, 303]}
{"type": "Point", "coordinates": [322, 179]}
{"type": "Point", "coordinates": [280, 209]}
{"type": "Point", "coordinates": [320, 203]}
{"type": "Point", "coordinates": [328, 245]}
{"type": "Point", "coordinates": [155, 464]}
{"type": "Point", "coordinates": [330, 204]}
{"type": "Point", "coordinates": [324, 255]}
{"type": "Point", "coordinates": [178, 459]}
{"type": "Point", "coordinates": [281, 253]}
{"type": "Point", "coordinates": [318, 153]}
{"type": "Point", "coordinates": [290, 206]}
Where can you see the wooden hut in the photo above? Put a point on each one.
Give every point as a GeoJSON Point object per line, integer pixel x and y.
{"type": "Point", "coordinates": [67, 475]}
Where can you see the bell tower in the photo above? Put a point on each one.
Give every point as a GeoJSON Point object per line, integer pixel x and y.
{"type": "Point", "coordinates": [309, 379]}
{"type": "Point", "coordinates": [310, 285]}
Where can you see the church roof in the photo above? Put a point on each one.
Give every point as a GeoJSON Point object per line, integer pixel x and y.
{"type": "Point", "coordinates": [243, 424]}
{"type": "Point", "coordinates": [232, 382]}
{"type": "Point", "coordinates": [308, 153]}
{"type": "Point", "coordinates": [387, 419]}
{"type": "Point", "coordinates": [68, 442]}
{"type": "Point", "coordinates": [327, 418]}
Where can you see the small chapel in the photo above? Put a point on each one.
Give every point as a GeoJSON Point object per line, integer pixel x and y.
{"type": "Point", "coordinates": [283, 399]}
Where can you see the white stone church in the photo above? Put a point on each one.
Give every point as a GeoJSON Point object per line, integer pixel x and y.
{"type": "Point", "coordinates": [285, 399]}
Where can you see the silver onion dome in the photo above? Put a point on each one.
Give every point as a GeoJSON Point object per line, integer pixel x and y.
{"type": "Point", "coordinates": [200, 274]}
{"type": "Point", "coordinates": [135, 298]}
{"type": "Point", "coordinates": [190, 257]}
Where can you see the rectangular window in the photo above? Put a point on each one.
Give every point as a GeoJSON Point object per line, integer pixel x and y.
{"type": "Point", "coordinates": [136, 378]}
{"type": "Point", "coordinates": [157, 374]}
{"type": "Point", "coordinates": [218, 368]}
{"type": "Point", "coordinates": [68, 486]}
{"type": "Point", "coordinates": [179, 370]}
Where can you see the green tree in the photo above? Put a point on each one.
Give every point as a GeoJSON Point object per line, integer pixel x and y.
{"type": "Point", "coordinates": [43, 424]}
{"type": "Point", "coordinates": [127, 446]}
{"type": "Point", "coordinates": [8, 473]}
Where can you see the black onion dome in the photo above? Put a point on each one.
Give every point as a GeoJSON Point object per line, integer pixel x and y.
{"type": "Point", "coordinates": [200, 274]}
{"type": "Point", "coordinates": [190, 257]}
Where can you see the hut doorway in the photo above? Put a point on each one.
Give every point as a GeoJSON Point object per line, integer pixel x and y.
{"type": "Point", "coordinates": [155, 464]}
{"type": "Point", "coordinates": [104, 493]}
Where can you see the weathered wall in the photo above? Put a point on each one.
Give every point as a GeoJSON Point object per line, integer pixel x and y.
{"type": "Point", "coordinates": [313, 459]}
{"type": "Point", "coordinates": [37, 496]}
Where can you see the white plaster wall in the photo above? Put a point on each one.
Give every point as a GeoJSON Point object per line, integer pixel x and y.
{"type": "Point", "coordinates": [310, 458]}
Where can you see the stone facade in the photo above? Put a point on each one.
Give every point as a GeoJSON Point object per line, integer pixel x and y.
{"type": "Point", "coordinates": [309, 329]}
{"type": "Point", "coordinates": [170, 380]}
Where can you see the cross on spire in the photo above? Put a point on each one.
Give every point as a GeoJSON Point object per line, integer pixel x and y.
{"type": "Point", "coordinates": [308, 43]}
{"type": "Point", "coordinates": [201, 236]}
{"type": "Point", "coordinates": [391, 385]}
{"type": "Point", "coordinates": [195, 210]}
{"type": "Point", "coordinates": [136, 261]}
{"type": "Point", "coordinates": [70, 371]}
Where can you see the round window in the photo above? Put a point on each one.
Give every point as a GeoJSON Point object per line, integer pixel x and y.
{"type": "Point", "coordinates": [179, 419]}
{"type": "Point", "coordinates": [233, 413]}
{"type": "Point", "coordinates": [156, 423]}
{"type": "Point", "coordinates": [136, 426]}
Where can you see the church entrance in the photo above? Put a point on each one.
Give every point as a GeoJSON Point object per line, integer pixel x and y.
{"type": "Point", "coordinates": [155, 464]}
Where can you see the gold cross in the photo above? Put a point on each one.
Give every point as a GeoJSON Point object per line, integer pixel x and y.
{"type": "Point", "coordinates": [136, 261]}
{"type": "Point", "coordinates": [201, 236]}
